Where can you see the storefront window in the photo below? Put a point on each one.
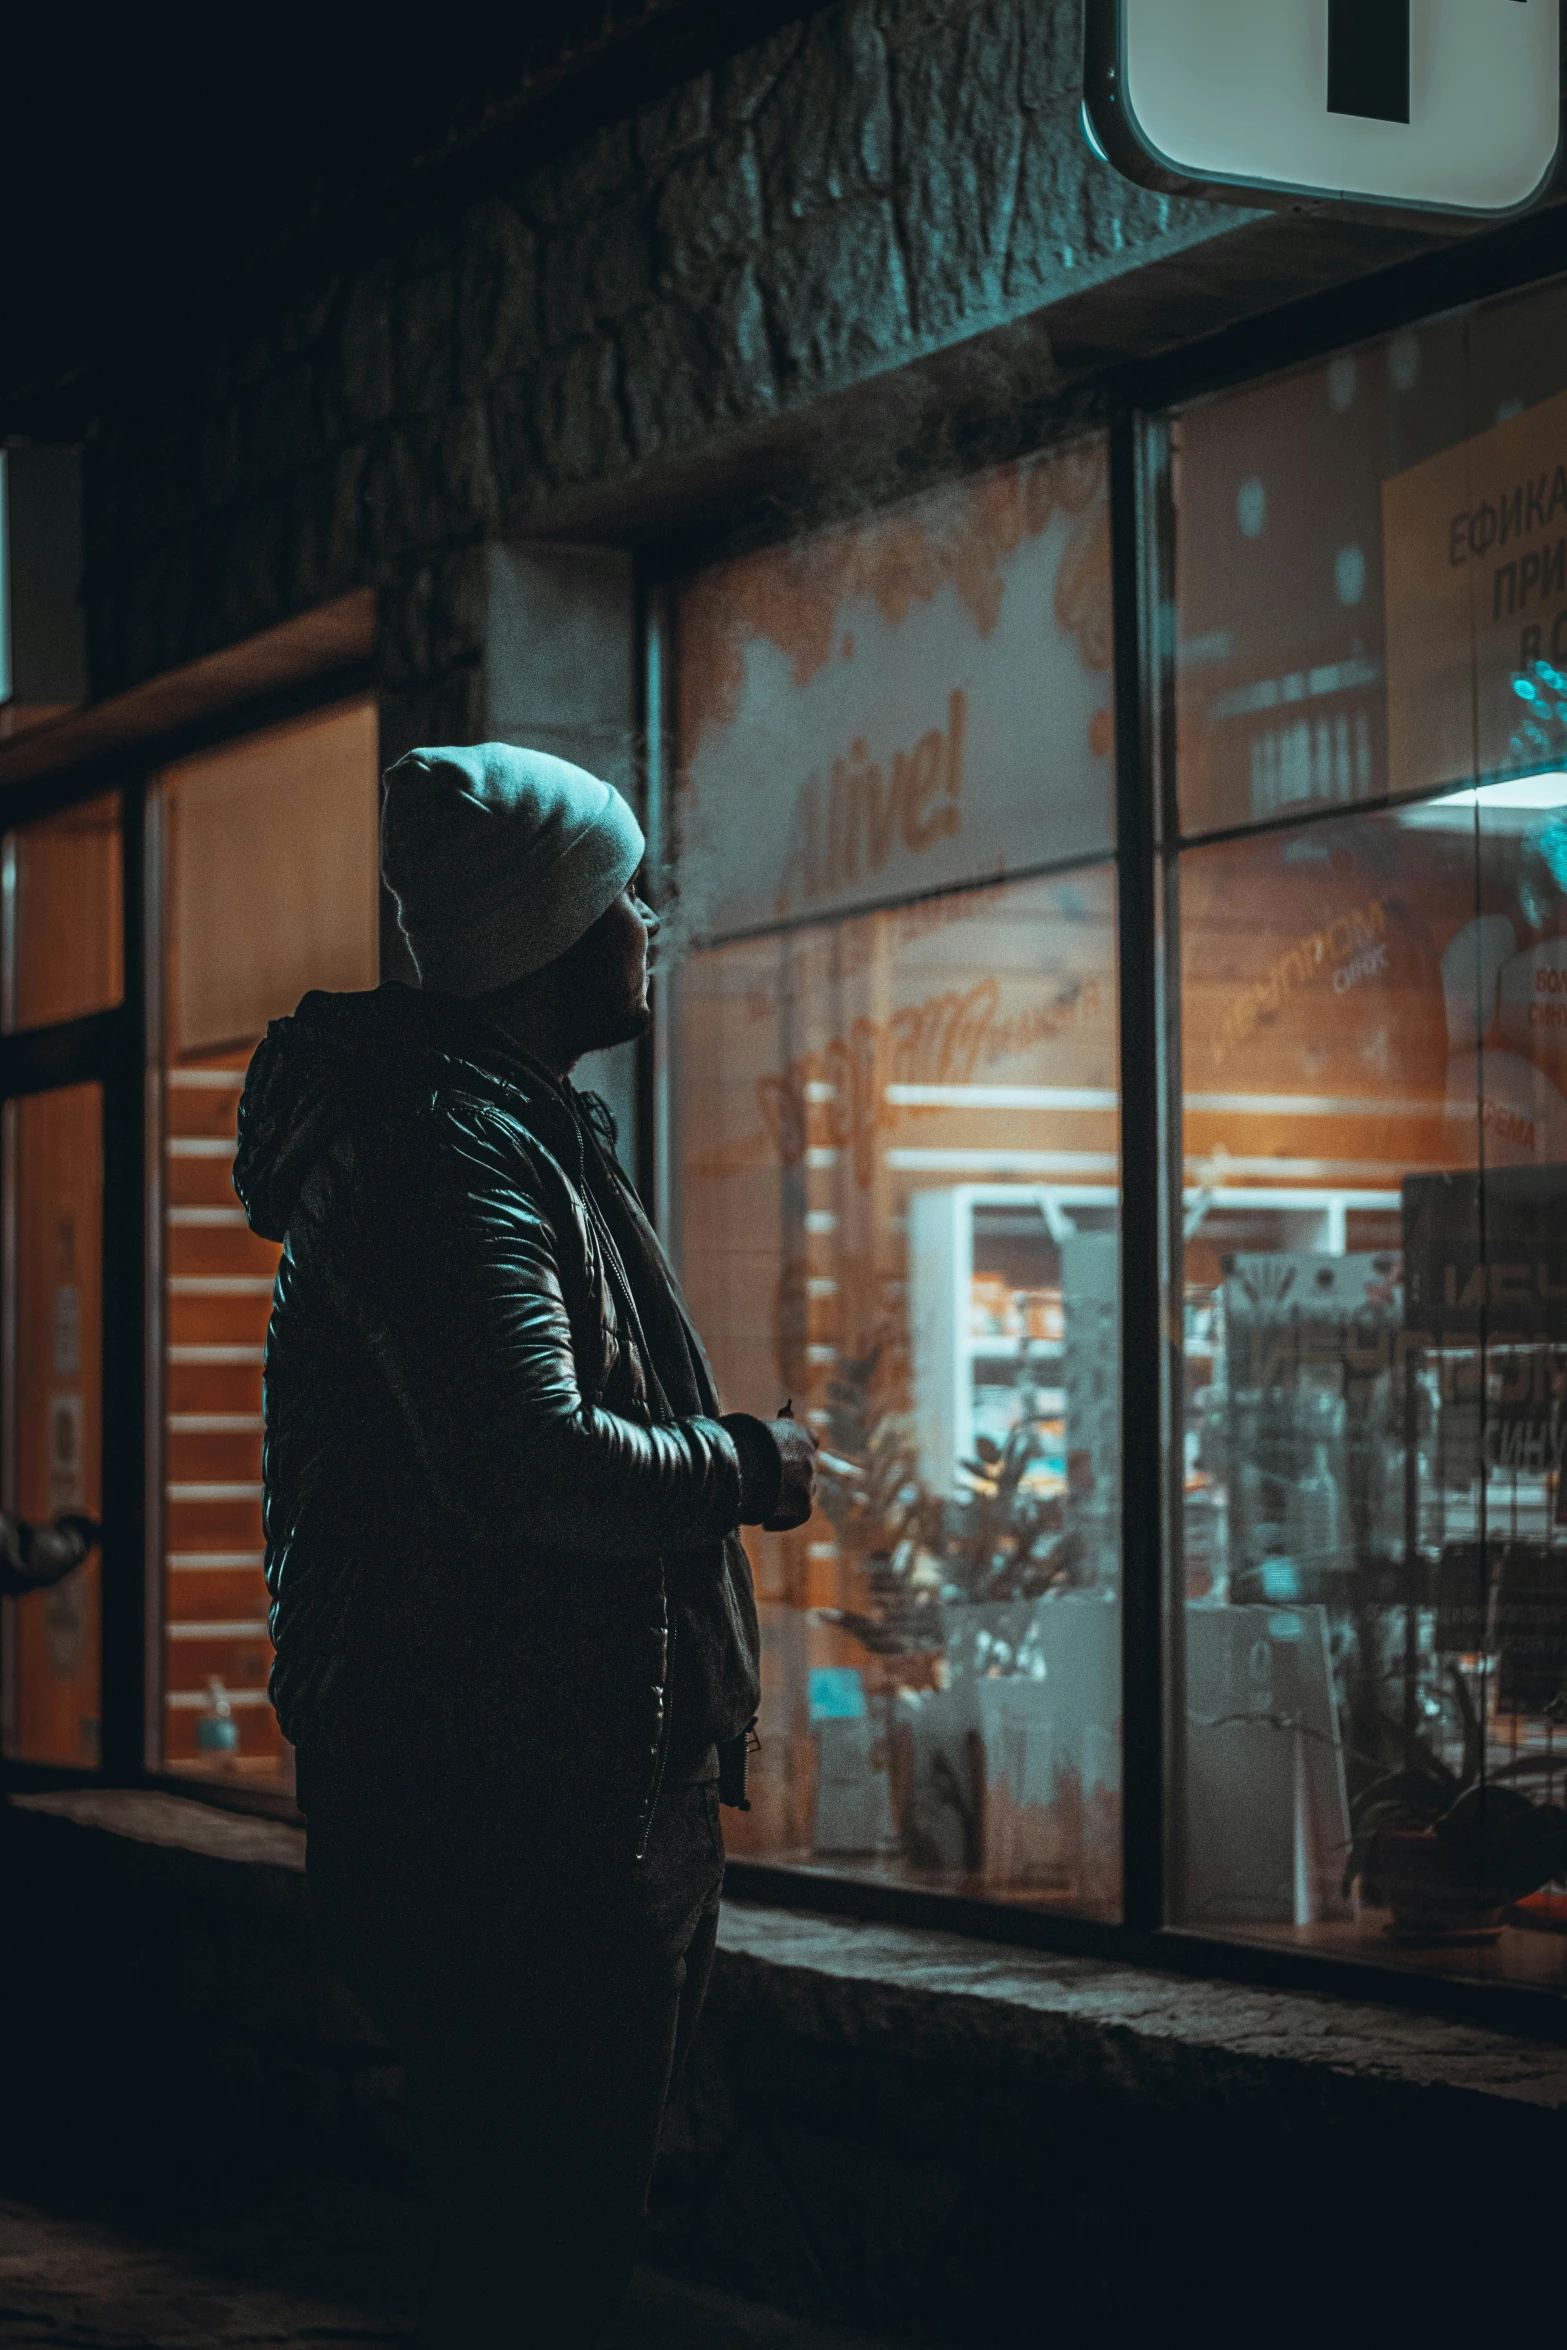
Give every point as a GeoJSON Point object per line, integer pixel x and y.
{"type": "Point", "coordinates": [1372, 1672]}
{"type": "Point", "coordinates": [269, 889]}
{"type": "Point", "coordinates": [896, 1126]}
{"type": "Point", "coordinates": [62, 954]}
{"type": "Point", "coordinates": [51, 1313]}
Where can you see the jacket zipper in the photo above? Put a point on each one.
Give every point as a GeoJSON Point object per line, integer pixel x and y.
{"type": "Point", "coordinates": [661, 1750]}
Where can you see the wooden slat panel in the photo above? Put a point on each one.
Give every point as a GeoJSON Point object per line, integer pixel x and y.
{"type": "Point", "coordinates": [206, 1457]}
{"type": "Point", "coordinates": [203, 1320]}
{"type": "Point", "coordinates": [213, 1525]}
{"type": "Point", "coordinates": [219, 1249]}
{"type": "Point", "coordinates": [199, 1183]}
{"type": "Point", "coordinates": [197, 1594]}
{"type": "Point", "coordinates": [240, 1663]}
{"type": "Point", "coordinates": [214, 1387]}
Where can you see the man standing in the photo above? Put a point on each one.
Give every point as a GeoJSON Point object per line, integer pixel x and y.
{"type": "Point", "coordinates": [516, 1640]}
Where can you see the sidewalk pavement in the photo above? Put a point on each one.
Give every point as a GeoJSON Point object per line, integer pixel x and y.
{"type": "Point", "coordinates": [317, 2261]}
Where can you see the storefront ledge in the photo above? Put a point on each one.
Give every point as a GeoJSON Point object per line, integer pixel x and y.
{"type": "Point", "coordinates": [189, 1832]}
{"type": "Point", "coordinates": [938, 1997]}
{"type": "Point", "coordinates": [875, 2116]}
{"type": "Point", "coordinates": [1090, 2024]}
{"type": "Point", "coordinates": [206, 1913]}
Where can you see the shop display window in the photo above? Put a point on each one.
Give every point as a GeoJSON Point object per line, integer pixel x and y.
{"type": "Point", "coordinates": [269, 889]}
{"type": "Point", "coordinates": [1370, 1675]}
{"type": "Point", "coordinates": [896, 1135]}
{"type": "Point", "coordinates": [61, 942]}
{"type": "Point", "coordinates": [51, 1434]}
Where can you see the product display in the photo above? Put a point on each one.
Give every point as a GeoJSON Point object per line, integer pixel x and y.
{"type": "Point", "coordinates": [1267, 1809]}
{"type": "Point", "coordinates": [1296, 1431]}
{"type": "Point", "coordinates": [1378, 1443]}
{"type": "Point", "coordinates": [1013, 1766]}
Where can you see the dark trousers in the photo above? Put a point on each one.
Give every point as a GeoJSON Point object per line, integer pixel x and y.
{"type": "Point", "coordinates": [542, 1991]}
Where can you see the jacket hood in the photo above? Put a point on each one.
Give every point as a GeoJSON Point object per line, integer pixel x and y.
{"type": "Point", "coordinates": [339, 1061]}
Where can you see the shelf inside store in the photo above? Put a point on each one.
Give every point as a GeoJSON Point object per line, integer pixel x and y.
{"type": "Point", "coordinates": [1051, 1402]}
{"type": "Point", "coordinates": [218, 1296]}
{"type": "Point", "coordinates": [1001, 1348]}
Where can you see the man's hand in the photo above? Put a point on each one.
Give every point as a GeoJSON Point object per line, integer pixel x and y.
{"type": "Point", "coordinates": [797, 1447]}
{"type": "Point", "coordinates": [777, 1470]}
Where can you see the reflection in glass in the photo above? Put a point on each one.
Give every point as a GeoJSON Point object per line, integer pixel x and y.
{"type": "Point", "coordinates": [899, 1144]}
{"type": "Point", "coordinates": [62, 948]}
{"type": "Point", "coordinates": [1375, 1651]}
{"type": "Point", "coordinates": [53, 1426]}
{"type": "Point", "coordinates": [1372, 582]}
{"type": "Point", "coordinates": [1371, 566]}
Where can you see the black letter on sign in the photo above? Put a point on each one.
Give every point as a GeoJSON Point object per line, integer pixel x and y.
{"type": "Point", "coordinates": [1368, 58]}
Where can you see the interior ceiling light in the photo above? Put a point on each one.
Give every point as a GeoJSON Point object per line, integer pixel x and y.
{"type": "Point", "coordinates": [1518, 791]}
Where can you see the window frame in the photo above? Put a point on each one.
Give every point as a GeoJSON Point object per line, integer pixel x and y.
{"type": "Point", "coordinates": [1140, 404]}
{"type": "Point", "coordinates": [103, 1048]}
{"type": "Point", "coordinates": [119, 1048]}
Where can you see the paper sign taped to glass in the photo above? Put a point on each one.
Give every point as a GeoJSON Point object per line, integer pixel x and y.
{"type": "Point", "coordinates": [1475, 566]}
{"type": "Point", "coordinates": [918, 700]}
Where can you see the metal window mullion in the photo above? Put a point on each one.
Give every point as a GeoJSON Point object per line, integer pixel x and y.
{"type": "Point", "coordinates": [124, 1385]}
{"type": "Point", "coordinates": [656, 1141]}
{"type": "Point", "coordinates": [1138, 466]}
{"type": "Point", "coordinates": [1171, 1106]}
{"type": "Point", "coordinates": [10, 1691]}
{"type": "Point", "coordinates": [152, 814]}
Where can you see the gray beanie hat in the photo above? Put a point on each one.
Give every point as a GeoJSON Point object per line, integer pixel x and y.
{"type": "Point", "coordinates": [499, 860]}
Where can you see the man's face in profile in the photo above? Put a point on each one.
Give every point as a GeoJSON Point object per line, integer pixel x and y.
{"type": "Point", "coordinates": [603, 979]}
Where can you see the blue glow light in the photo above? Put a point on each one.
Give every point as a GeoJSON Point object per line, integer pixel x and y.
{"type": "Point", "coordinates": [1090, 134]}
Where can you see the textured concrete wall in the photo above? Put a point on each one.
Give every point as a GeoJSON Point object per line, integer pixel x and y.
{"type": "Point", "coordinates": [886, 180]}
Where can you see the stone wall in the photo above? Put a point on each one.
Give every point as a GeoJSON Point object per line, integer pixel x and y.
{"type": "Point", "coordinates": [886, 180]}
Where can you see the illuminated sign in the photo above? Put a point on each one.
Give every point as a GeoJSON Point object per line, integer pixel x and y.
{"type": "Point", "coordinates": [1419, 105]}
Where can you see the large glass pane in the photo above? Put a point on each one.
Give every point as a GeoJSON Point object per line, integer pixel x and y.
{"type": "Point", "coordinates": [53, 1422]}
{"type": "Point", "coordinates": [270, 885]}
{"type": "Point", "coordinates": [63, 940]}
{"type": "Point", "coordinates": [1373, 1662]}
{"type": "Point", "coordinates": [898, 1144]}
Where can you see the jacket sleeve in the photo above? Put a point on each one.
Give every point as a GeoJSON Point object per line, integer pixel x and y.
{"type": "Point", "coordinates": [478, 1342]}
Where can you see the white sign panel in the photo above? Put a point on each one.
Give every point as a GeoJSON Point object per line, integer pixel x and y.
{"type": "Point", "coordinates": [1445, 105]}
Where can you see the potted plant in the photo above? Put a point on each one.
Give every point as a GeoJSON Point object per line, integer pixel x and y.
{"type": "Point", "coordinates": [999, 1542]}
{"type": "Point", "coordinates": [1449, 1851]}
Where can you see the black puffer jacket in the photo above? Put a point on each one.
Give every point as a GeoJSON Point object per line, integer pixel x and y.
{"type": "Point", "coordinates": [486, 1519]}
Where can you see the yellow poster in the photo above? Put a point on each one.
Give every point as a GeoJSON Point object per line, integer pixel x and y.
{"type": "Point", "coordinates": [1475, 565]}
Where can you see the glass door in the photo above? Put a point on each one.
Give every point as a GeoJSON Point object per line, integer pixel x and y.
{"type": "Point", "coordinates": [51, 1411]}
